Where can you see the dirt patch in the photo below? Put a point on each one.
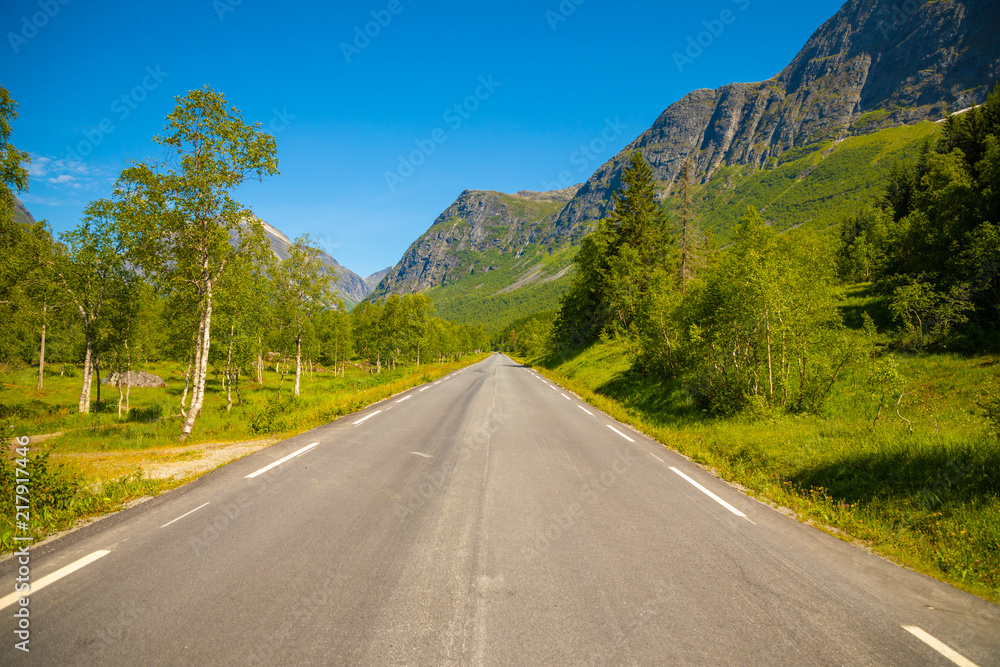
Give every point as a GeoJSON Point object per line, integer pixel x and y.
{"type": "Point", "coordinates": [177, 463]}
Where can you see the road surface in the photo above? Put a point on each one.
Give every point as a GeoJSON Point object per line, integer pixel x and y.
{"type": "Point", "coordinates": [489, 518]}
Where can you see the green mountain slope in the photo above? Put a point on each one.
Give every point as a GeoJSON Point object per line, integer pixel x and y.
{"type": "Point", "coordinates": [488, 257]}
{"type": "Point", "coordinates": [816, 186]}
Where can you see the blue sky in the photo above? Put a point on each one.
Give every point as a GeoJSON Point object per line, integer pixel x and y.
{"type": "Point", "coordinates": [377, 133]}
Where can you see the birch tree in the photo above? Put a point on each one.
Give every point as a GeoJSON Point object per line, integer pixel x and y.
{"type": "Point", "coordinates": [92, 273]}
{"type": "Point", "coordinates": [182, 215]}
{"type": "Point", "coordinates": [304, 288]}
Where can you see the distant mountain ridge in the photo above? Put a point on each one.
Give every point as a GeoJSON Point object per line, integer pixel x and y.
{"type": "Point", "coordinates": [481, 232]}
{"type": "Point", "coordinates": [351, 287]}
{"type": "Point", "coordinates": [374, 279]}
{"type": "Point", "coordinates": [871, 66]}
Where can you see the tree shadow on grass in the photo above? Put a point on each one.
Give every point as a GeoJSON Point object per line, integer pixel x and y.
{"type": "Point", "coordinates": [661, 400]}
{"type": "Point", "coordinates": [928, 477]}
{"type": "Point", "coordinates": [561, 356]}
{"type": "Point", "coordinates": [876, 307]}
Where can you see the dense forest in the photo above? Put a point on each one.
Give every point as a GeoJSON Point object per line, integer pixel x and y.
{"type": "Point", "coordinates": [172, 267]}
{"type": "Point", "coordinates": [757, 327]}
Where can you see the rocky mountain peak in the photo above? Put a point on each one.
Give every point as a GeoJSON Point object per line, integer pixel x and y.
{"type": "Point", "coordinates": [469, 236]}
{"type": "Point", "coordinates": [875, 64]}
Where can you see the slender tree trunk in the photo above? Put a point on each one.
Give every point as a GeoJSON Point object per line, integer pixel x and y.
{"type": "Point", "coordinates": [770, 371]}
{"type": "Point", "coordinates": [201, 365]}
{"type": "Point", "coordinates": [128, 393]}
{"type": "Point", "coordinates": [260, 360]}
{"type": "Point", "coordinates": [97, 372]}
{"type": "Point", "coordinates": [41, 350]}
{"type": "Point", "coordinates": [239, 398]}
{"type": "Point", "coordinates": [187, 384]}
{"type": "Point", "coordinates": [121, 395]}
{"type": "Point", "coordinates": [192, 360]}
{"type": "Point", "coordinates": [88, 377]}
{"type": "Point", "coordinates": [229, 369]}
{"type": "Point", "coordinates": [298, 362]}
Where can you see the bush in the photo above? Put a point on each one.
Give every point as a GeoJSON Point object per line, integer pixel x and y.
{"type": "Point", "coordinates": [271, 417]}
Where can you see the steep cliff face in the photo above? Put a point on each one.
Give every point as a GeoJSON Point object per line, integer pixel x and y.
{"type": "Point", "coordinates": [875, 64]}
{"type": "Point", "coordinates": [482, 232]}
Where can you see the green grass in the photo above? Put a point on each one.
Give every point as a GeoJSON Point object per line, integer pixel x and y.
{"type": "Point", "coordinates": [928, 499]}
{"type": "Point", "coordinates": [817, 185]}
{"type": "Point", "coordinates": [475, 297]}
{"type": "Point", "coordinates": [62, 494]}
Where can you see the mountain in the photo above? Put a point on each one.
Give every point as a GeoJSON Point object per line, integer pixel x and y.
{"type": "Point", "coordinates": [873, 65]}
{"type": "Point", "coordinates": [21, 214]}
{"type": "Point", "coordinates": [804, 147]}
{"type": "Point", "coordinates": [483, 248]}
{"type": "Point", "coordinates": [350, 286]}
{"type": "Point", "coordinates": [374, 279]}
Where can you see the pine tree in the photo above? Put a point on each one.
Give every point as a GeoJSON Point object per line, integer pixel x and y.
{"type": "Point", "coordinates": [617, 262]}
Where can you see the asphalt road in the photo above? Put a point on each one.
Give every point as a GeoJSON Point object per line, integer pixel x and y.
{"type": "Point", "coordinates": [488, 518]}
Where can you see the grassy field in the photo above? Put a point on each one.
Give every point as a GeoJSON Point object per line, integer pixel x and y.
{"type": "Point", "coordinates": [929, 499]}
{"type": "Point", "coordinates": [92, 464]}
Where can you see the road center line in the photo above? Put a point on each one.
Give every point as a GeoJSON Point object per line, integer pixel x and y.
{"type": "Point", "coordinates": [620, 433]}
{"type": "Point", "coordinates": [367, 417]}
{"type": "Point", "coordinates": [585, 410]}
{"type": "Point", "coordinates": [657, 457]}
{"type": "Point", "coordinates": [710, 494]}
{"type": "Point", "coordinates": [426, 456]}
{"type": "Point", "coordinates": [567, 397]}
{"type": "Point", "coordinates": [425, 388]}
{"type": "Point", "coordinates": [183, 515]}
{"type": "Point", "coordinates": [281, 460]}
{"type": "Point", "coordinates": [939, 646]}
{"type": "Point", "coordinates": [36, 586]}
{"type": "Point", "coordinates": [405, 398]}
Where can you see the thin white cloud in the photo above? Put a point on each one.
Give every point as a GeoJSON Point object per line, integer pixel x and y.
{"type": "Point", "coordinates": [67, 174]}
{"type": "Point", "coordinates": [47, 201]}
